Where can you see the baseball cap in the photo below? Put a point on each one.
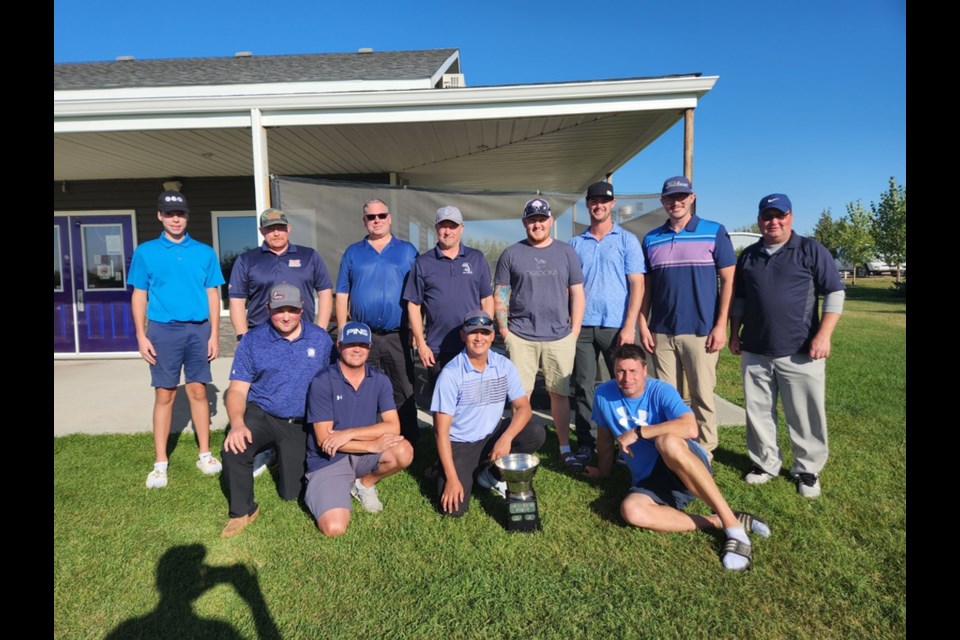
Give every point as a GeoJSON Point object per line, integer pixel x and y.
{"type": "Point", "coordinates": [676, 184]}
{"type": "Point", "coordinates": [271, 217]}
{"type": "Point", "coordinates": [537, 207]}
{"type": "Point", "coordinates": [285, 295]}
{"type": "Point", "coordinates": [355, 333]}
{"type": "Point", "coordinates": [478, 320]}
{"type": "Point", "coordinates": [172, 201]}
{"type": "Point", "coordinates": [600, 189]}
{"type": "Point", "coordinates": [449, 213]}
{"type": "Point", "coordinates": [777, 201]}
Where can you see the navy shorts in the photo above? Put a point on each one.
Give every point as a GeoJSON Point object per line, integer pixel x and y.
{"type": "Point", "coordinates": [179, 345]}
{"type": "Point", "coordinates": [664, 487]}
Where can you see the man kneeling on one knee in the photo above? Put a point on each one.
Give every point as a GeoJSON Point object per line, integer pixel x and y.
{"type": "Point", "coordinates": [351, 449]}
{"type": "Point", "coordinates": [656, 432]}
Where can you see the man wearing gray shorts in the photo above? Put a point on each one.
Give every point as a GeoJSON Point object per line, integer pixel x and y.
{"type": "Point", "coordinates": [356, 439]}
{"type": "Point", "coordinates": [539, 304]}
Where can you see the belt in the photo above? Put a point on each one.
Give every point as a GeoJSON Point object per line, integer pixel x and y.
{"type": "Point", "coordinates": [383, 332]}
{"type": "Point", "coordinates": [292, 420]}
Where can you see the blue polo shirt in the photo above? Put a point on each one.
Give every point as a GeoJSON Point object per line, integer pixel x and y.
{"type": "Point", "coordinates": [332, 397]}
{"type": "Point", "coordinates": [658, 403]}
{"type": "Point", "coordinates": [682, 275]}
{"type": "Point", "coordinates": [176, 276]}
{"type": "Point", "coordinates": [780, 295]}
{"type": "Point", "coordinates": [474, 398]}
{"type": "Point", "coordinates": [256, 271]}
{"type": "Point", "coordinates": [279, 370]}
{"type": "Point", "coordinates": [606, 265]}
{"type": "Point", "coordinates": [449, 290]}
{"type": "Point", "coordinates": [375, 281]}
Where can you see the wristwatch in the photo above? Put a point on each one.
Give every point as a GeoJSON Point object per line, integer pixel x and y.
{"type": "Point", "coordinates": [239, 335]}
{"type": "Point", "coordinates": [639, 431]}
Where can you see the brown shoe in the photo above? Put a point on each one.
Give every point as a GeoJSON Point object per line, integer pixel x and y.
{"type": "Point", "coordinates": [235, 526]}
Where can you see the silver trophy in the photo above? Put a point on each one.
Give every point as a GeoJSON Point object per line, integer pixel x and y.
{"type": "Point", "coordinates": [518, 470]}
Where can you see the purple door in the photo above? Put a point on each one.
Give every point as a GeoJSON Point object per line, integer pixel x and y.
{"type": "Point", "coordinates": [94, 301]}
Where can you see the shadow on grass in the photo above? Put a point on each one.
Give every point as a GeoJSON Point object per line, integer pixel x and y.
{"type": "Point", "coordinates": [874, 294]}
{"type": "Point", "coordinates": [182, 577]}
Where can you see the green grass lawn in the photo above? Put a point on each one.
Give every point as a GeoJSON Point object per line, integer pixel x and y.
{"type": "Point", "coordinates": [835, 567]}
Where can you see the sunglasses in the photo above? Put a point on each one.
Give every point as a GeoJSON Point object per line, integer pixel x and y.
{"type": "Point", "coordinates": [370, 217]}
{"type": "Point", "coordinates": [474, 323]}
{"type": "Point", "coordinates": [770, 214]}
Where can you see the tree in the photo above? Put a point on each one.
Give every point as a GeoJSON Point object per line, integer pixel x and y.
{"type": "Point", "coordinates": [890, 225]}
{"type": "Point", "coordinates": [827, 232]}
{"type": "Point", "coordinates": [749, 228]}
{"type": "Point", "coordinates": [855, 237]}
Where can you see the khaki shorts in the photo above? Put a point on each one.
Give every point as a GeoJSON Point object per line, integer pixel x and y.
{"type": "Point", "coordinates": [554, 358]}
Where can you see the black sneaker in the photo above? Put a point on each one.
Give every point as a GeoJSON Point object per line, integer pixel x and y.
{"type": "Point", "coordinates": [584, 454]}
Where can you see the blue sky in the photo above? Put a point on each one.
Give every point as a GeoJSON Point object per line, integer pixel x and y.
{"type": "Point", "coordinates": [810, 101]}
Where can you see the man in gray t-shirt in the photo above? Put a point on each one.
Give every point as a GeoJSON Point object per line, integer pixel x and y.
{"type": "Point", "coordinates": [539, 305]}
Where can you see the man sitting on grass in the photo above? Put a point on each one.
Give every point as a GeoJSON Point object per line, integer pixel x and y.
{"type": "Point", "coordinates": [356, 441]}
{"type": "Point", "coordinates": [656, 431]}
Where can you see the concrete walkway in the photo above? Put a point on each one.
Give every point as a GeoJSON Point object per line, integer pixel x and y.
{"type": "Point", "coordinates": [114, 396]}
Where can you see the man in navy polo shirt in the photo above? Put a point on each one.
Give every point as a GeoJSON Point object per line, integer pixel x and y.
{"type": "Point", "coordinates": [784, 341]}
{"type": "Point", "coordinates": [355, 441]}
{"type": "Point", "coordinates": [176, 313]}
{"type": "Point", "coordinates": [684, 318]}
{"type": "Point", "coordinates": [266, 401]}
{"type": "Point", "coordinates": [612, 264]}
{"type": "Point", "coordinates": [369, 287]}
{"type": "Point", "coordinates": [467, 408]}
{"type": "Point", "coordinates": [256, 271]}
{"type": "Point", "coordinates": [449, 281]}
{"type": "Point", "coordinates": [277, 260]}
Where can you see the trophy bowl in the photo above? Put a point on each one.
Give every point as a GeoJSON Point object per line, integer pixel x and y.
{"type": "Point", "coordinates": [518, 470]}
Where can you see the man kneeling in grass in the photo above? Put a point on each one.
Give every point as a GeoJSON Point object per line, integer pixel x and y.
{"type": "Point", "coordinates": [656, 432]}
{"type": "Point", "coordinates": [356, 441]}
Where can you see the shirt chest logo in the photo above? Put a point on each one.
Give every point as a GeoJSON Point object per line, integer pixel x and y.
{"type": "Point", "coordinates": [339, 397]}
{"type": "Point", "coordinates": [311, 352]}
{"type": "Point", "coordinates": [467, 269]}
{"type": "Point", "coordinates": [294, 263]}
{"type": "Point", "coordinates": [624, 420]}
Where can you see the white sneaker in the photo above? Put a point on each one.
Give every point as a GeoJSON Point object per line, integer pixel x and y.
{"type": "Point", "coordinates": [486, 480]}
{"type": "Point", "coordinates": [156, 479]}
{"type": "Point", "coordinates": [808, 485]}
{"type": "Point", "coordinates": [368, 497]}
{"type": "Point", "coordinates": [757, 476]}
{"type": "Point", "coordinates": [263, 460]}
{"type": "Point", "coordinates": [209, 466]}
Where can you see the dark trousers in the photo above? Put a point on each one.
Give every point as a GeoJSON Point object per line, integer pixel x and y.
{"type": "Point", "coordinates": [289, 440]}
{"type": "Point", "coordinates": [391, 354]}
{"type": "Point", "coordinates": [471, 457]}
{"type": "Point", "coordinates": [591, 343]}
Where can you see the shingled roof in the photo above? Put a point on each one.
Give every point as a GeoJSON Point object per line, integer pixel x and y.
{"type": "Point", "coordinates": [323, 67]}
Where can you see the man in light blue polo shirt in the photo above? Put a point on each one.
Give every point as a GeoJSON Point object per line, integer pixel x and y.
{"type": "Point", "coordinates": [176, 313]}
{"type": "Point", "coordinates": [355, 441]}
{"type": "Point", "coordinates": [612, 263]}
{"type": "Point", "coordinates": [467, 407]}
{"type": "Point", "coordinates": [369, 289]}
{"type": "Point", "coordinates": [266, 401]}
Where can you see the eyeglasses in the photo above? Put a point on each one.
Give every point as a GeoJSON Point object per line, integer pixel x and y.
{"type": "Point", "coordinates": [770, 214]}
{"type": "Point", "coordinates": [370, 217]}
{"type": "Point", "coordinates": [174, 214]}
{"type": "Point", "coordinates": [675, 197]}
{"type": "Point", "coordinates": [474, 323]}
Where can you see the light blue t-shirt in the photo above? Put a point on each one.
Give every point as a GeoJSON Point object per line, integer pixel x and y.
{"type": "Point", "coordinates": [474, 398]}
{"type": "Point", "coordinates": [606, 265]}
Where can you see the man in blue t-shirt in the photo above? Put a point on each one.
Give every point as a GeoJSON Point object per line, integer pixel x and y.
{"type": "Point", "coordinates": [176, 314]}
{"type": "Point", "coordinates": [369, 289]}
{"type": "Point", "coordinates": [266, 401]}
{"type": "Point", "coordinates": [683, 319]}
{"type": "Point", "coordinates": [655, 431]}
{"type": "Point", "coordinates": [355, 441]}
{"type": "Point", "coordinates": [467, 407]}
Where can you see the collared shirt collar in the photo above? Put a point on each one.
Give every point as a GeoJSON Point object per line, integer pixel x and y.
{"type": "Point", "coordinates": [438, 254]}
{"type": "Point", "coordinates": [615, 229]}
{"type": "Point", "coordinates": [291, 248]}
{"type": "Point", "coordinates": [366, 367]}
{"type": "Point", "coordinates": [691, 225]}
{"type": "Point", "coordinates": [275, 335]}
{"type": "Point", "coordinates": [167, 242]}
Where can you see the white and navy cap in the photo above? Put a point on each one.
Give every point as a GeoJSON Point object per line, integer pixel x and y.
{"type": "Point", "coordinates": [355, 333]}
{"type": "Point", "coordinates": [537, 207]}
{"type": "Point", "coordinates": [172, 201]}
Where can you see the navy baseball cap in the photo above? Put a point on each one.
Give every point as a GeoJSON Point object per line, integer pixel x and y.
{"type": "Point", "coordinates": [600, 190]}
{"type": "Point", "coordinates": [777, 201]}
{"type": "Point", "coordinates": [478, 320]}
{"type": "Point", "coordinates": [355, 333]}
{"type": "Point", "coordinates": [676, 184]}
{"type": "Point", "coordinates": [285, 295]}
{"type": "Point", "coordinates": [537, 207]}
{"type": "Point", "coordinates": [172, 201]}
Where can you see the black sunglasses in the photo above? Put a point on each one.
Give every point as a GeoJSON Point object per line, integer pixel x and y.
{"type": "Point", "coordinates": [473, 323]}
{"type": "Point", "coordinates": [770, 214]}
{"type": "Point", "coordinates": [370, 217]}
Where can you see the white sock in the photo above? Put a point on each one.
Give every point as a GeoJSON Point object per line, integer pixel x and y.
{"type": "Point", "coordinates": [204, 456]}
{"type": "Point", "coordinates": [732, 560]}
{"type": "Point", "coordinates": [564, 448]}
{"type": "Point", "coordinates": [160, 466]}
